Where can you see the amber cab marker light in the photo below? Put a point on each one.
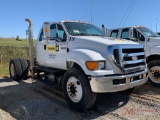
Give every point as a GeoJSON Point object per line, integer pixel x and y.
{"type": "Point", "coordinates": [46, 30]}
{"type": "Point", "coordinates": [92, 65]}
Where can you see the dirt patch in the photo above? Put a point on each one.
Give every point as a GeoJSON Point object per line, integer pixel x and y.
{"type": "Point", "coordinates": [34, 99]}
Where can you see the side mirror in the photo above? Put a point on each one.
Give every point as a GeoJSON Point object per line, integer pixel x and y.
{"type": "Point", "coordinates": [46, 30]}
{"type": "Point", "coordinates": [45, 42]}
{"type": "Point", "coordinates": [131, 33]}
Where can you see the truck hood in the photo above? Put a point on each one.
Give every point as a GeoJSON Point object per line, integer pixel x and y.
{"type": "Point", "coordinates": [154, 38]}
{"type": "Point", "coordinates": [97, 44]}
{"type": "Point", "coordinates": [153, 45]}
{"type": "Point", "coordinates": [102, 40]}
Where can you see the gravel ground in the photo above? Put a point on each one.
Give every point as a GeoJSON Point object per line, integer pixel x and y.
{"type": "Point", "coordinates": [41, 100]}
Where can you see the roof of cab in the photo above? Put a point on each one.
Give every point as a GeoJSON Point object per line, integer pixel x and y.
{"type": "Point", "coordinates": [79, 21]}
{"type": "Point", "coordinates": [129, 27]}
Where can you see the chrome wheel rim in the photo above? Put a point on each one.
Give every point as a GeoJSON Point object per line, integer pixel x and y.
{"type": "Point", "coordinates": [74, 89]}
{"type": "Point", "coordinates": [154, 74]}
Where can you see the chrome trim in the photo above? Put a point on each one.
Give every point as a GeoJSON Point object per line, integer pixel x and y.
{"type": "Point", "coordinates": [142, 67]}
{"type": "Point", "coordinates": [119, 65]}
{"type": "Point", "coordinates": [102, 84]}
{"type": "Point", "coordinates": [121, 76]}
{"type": "Point", "coordinates": [133, 54]}
{"type": "Point", "coordinates": [134, 61]}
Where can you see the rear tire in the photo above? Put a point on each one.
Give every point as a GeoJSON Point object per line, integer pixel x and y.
{"type": "Point", "coordinates": [24, 66]}
{"type": "Point", "coordinates": [154, 73]}
{"type": "Point", "coordinates": [15, 70]}
{"type": "Point", "coordinates": [77, 91]}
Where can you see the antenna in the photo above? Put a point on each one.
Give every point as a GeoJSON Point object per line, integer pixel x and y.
{"type": "Point", "coordinates": [73, 10]}
{"type": "Point", "coordinates": [151, 22]}
{"type": "Point", "coordinates": [156, 25]}
{"type": "Point", "coordinates": [91, 10]}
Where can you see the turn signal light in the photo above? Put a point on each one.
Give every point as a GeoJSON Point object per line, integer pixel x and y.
{"type": "Point", "coordinates": [92, 65]}
{"type": "Point", "coordinates": [46, 30]}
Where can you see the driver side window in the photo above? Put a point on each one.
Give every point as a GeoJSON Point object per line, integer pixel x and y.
{"type": "Point", "coordinates": [57, 32]}
{"type": "Point", "coordinates": [53, 31]}
{"type": "Point", "coordinates": [141, 37]}
{"type": "Point", "coordinates": [137, 35]}
{"type": "Point", "coordinates": [61, 33]}
{"type": "Point", "coordinates": [125, 34]}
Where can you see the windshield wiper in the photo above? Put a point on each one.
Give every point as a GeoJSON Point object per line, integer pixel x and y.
{"type": "Point", "coordinates": [94, 35]}
{"type": "Point", "coordinates": [85, 34]}
{"type": "Point", "coordinates": [79, 34]}
{"type": "Point", "coordinates": [152, 36]}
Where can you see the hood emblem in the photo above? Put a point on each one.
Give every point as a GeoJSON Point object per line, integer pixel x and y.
{"type": "Point", "coordinates": [134, 58]}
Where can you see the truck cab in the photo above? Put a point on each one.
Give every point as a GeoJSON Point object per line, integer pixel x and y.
{"type": "Point", "coordinates": [85, 62]}
{"type": "Point", "coordinates": [150, 40]}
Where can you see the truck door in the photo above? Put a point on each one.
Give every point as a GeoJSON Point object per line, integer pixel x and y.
{"type": "Point", "coordinates": [136, 36]}
{"type": "Point", "coordinates": [61, 47]}
{"type": "Point", "coordinates": [40, 52]}
{"type": "Point", "coordinates": [53, 54]}
{"type": "Point", "coordinates": [139, 37]}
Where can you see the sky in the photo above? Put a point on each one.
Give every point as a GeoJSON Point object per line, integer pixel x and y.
{"type": "Point", "coordinates": [111, 13]}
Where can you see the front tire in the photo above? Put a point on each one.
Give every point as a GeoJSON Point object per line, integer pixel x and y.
{"type": "Point", "coordinates": [77, 91]}
{"type": "Point", "coordinates": [154, 73]}
{"type": "Point", "coordinates": [15, 70]}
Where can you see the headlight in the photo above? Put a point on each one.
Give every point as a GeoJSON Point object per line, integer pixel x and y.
{"type": "Point", "coordinates": [101, 65]}
{"type": "Point", "coordinates": [95, 65]}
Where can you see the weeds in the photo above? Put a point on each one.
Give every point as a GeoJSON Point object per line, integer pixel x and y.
{"type": "Point", "coordinates": [12, 49]}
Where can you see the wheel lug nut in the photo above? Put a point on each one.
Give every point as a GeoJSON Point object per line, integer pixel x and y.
{"type": "Point", "coordinates": [78, 83]}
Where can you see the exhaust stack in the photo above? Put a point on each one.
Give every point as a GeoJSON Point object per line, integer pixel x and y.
{"type": "Point", "coordinates": [31, 51]}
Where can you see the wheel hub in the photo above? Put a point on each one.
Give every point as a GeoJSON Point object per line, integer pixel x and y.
{"type": "Point", "coordinates": [154, 74]}
{"type": "Point", "coordinates": [74, 89]}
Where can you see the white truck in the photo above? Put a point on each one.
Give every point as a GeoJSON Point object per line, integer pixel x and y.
{"type": "Point", "coordinates": [150, 40]}
{"type": "Point", "coordinates": [79, 56]}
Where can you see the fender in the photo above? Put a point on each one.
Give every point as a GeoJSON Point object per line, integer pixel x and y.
{"type": "Point", "coordinates": [80, 56]}
{"type": "Point", "coordinates": [147, 51]}
{"type": "Point", "coordinates": [155, 49]}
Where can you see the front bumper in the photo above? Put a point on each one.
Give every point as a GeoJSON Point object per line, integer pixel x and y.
{"type": "Point", "coordinates": [117, 83]}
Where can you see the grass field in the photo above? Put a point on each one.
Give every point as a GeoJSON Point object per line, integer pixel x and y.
{"type": "Point", "coordinates": [14, 42]}
{"type": "Point", "coordinates": [10, 49]}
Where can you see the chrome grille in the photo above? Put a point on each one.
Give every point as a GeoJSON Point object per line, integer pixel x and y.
{"type": "Point", "coordinates": [133, 59]}
{"type": "Point", "coordinates": [127, 58]}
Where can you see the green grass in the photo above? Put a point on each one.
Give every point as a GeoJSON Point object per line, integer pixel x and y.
{"type": "Point", "coordinates": [4, 70]}
{"type": "Point", "coordinates": [14, 42]}
{"type": "Point", "coordinates": [11, 49]}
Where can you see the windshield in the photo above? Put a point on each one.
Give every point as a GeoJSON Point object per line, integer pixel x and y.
{"type": "Point", "coordinates": [148, 32]}
{"type": "Point", "coordinates": [83, 29]}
